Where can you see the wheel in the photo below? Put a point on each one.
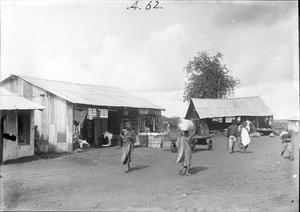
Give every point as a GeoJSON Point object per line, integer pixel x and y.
{"type": "Point", "coordinates": [210, 144]}
{"type": "Point", "coordinates": [173, 146]}
{"type": "Point", "coordinates": [193, 145]}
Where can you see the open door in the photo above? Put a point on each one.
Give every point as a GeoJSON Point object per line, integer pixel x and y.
{"type": "Point", "coordinates": [100, 127]}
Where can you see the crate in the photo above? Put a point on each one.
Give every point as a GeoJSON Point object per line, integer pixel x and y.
{"type": "Point", "coordinates": [157, 145]}
{"type": "Point", "coordinates": [167, 146]}
{"type": "Point", "coordinates": [143, 139]}
{"type": "Point", "coordinates": [155, 142]}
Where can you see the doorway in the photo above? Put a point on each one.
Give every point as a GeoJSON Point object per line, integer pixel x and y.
{"type": "Point", "coordinates": [100, 127]}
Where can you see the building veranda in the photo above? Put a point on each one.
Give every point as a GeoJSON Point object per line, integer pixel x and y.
{"type": "Point", "coordinates": [89, 110]}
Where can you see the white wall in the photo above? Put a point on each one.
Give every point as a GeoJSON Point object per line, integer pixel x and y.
{"type": "Point", "coordinates": [294, 126]}
{"type": "Point", "coordinates": [11, 149]}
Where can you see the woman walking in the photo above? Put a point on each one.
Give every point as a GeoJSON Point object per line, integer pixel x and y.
{"type": "Point", "coordinates": [128, 137]}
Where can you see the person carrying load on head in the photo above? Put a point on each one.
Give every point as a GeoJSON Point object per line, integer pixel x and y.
{"type": "Point", "coordinates": [185, 149]}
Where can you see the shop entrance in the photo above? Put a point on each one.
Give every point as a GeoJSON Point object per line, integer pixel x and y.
{"type": "Point", "coordinates": [88, 131]}
{"type": "Point", "coordinates": [113, 122]}
{"type": "Point", "coordinates": [100, 127]}
{"type": "Point", "coordinates": [93, 129]}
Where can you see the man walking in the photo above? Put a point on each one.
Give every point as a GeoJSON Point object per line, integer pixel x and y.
{"type": "Point", "coordinates": [232, 134]}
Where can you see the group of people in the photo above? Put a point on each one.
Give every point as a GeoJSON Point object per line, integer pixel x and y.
{"type": "Point", "coordinates": [234, 133]}
{"type": "Point", "coordinates": [241, 132]}
{"type": "Point", "coordinates": [184, 155]}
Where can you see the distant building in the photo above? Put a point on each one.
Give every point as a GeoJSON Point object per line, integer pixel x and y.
{"type": "Point", "coordinates": [16, 136]}
{"type": "Point", "coordinates": [293, 124]}
{"type": "Point", "coordinates": [217, 114]}
{"type": "Point", "coordinates": [90, 110]}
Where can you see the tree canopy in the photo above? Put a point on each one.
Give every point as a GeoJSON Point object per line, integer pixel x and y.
{"type": "Point", "coordinates": [207, 77]}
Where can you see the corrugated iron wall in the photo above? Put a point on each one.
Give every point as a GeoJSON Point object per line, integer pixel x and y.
{"type": "Point", "coordinates": [12, 149]}
{"type": "Point", "coordinates": [55, 122]}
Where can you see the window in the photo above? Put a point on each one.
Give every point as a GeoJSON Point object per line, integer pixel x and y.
{"type": "Point", "coordinates": [217, 120]}
{"type": "Point", "coordinates": [229, 119]}
{"type": "Point", "coordinates": [24, 127]}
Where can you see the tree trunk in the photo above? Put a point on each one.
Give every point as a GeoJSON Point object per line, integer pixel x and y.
{"type": "Point", "coordinates": [218, 92]}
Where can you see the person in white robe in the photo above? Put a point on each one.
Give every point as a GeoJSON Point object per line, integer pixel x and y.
{"type": "Point", "coordinates": [245, 137]}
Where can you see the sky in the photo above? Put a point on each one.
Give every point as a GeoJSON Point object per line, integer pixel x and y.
{"type": "Point", "coordinates": [144, 51]}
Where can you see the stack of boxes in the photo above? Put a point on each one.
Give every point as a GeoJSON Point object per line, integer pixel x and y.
{"type": "Point", "coordinates": [153, 140]}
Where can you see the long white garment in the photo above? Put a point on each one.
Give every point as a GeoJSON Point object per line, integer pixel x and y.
{"type": "Point", "coordinates": [245, 137]}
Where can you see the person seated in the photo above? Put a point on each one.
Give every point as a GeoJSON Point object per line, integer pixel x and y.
{"type": "Point", "coordinates": [108, 136]}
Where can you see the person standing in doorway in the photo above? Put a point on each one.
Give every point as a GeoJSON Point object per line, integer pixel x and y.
{"type": "Point", "coordinates": [37, 139]}
{"type": "Point", "coordinates": [232, 134]}
{"type": "Point", "coordinates": [128, 136]}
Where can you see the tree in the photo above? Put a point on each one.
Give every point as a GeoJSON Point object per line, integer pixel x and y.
{"type": "Point", "coordinates": [207, 77]}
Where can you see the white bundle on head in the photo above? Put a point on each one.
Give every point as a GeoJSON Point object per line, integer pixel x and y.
{"type": "Point", "coordinates": [186, 125]}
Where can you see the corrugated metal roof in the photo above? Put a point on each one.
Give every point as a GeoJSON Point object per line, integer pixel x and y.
{"type": "Point", "coordinates": [294, 118]}
{"type": "Point", "coordinates": [11, 101]}
{"type": "Point", "coordinates": [91, 94]}
{"type": "Point", "coordinates": [247, 106]}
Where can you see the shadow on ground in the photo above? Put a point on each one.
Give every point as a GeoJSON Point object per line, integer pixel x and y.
{"type": "Point", "coordinates": [287, 157]}
{"type": "Point", "coordinates": [241, 151]}
{"type": "Point", "coordinates": [36, 157]}
{"type": "Point", "coordinates": [195, 170]}
{"type": "Point", "coordinates": [138, 167]}
{"type": "Point", "coordinates": [200, 150]}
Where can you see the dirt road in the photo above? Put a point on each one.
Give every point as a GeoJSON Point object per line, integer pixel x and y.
{"type": "Point", "coordinates": [94, 180]}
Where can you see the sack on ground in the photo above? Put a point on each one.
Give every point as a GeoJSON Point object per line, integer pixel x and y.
{"type": "Point", "coordinates": [272, 135]}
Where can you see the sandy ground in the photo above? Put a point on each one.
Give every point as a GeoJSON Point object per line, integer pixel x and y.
{"type": "Point", "coordinates": [95, 180]}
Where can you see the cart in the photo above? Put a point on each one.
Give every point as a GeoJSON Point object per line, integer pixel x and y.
{"type": "Point", "coordinates": [264, 131]}
{"type": "Point", "coordinates": [202, 140]}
